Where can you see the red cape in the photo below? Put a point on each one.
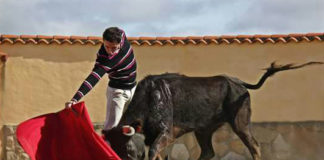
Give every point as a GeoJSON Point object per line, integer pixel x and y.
{"type": "Point", "coordinates": [65, 135]}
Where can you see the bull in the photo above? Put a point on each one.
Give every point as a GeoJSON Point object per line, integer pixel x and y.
{"type": "Point", "coordinates": [167, 106]}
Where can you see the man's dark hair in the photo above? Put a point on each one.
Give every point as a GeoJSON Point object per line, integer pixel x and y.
{"type": "Point", "coordinates": [112, 34]}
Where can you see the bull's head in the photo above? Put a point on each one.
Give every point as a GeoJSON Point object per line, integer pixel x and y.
{"type": "Point", "coordinates": [128, 144]}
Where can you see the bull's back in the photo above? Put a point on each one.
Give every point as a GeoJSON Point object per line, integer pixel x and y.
{"type": "Point", "coordinates": [197, 101]}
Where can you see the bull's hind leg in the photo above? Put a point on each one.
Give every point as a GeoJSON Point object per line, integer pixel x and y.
{"type": "Point", "coordinates": [204, 139]}
{"type": "Point", "coordinates": [241, 126]}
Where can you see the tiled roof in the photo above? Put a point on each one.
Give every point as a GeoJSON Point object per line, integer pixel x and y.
{"type": "Point", "coordinates": [160, 41]}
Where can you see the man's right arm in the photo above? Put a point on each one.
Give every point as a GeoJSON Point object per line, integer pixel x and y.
{"type": "Point", "coordinates": [97, 72]}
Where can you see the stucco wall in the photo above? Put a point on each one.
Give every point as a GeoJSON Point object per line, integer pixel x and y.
{"type": "Point", "coordinates": [2, 69]}
{"type": "Point", "coordinates": [288, 96]}
{"type": "Point", "coordinates": [39, 78]}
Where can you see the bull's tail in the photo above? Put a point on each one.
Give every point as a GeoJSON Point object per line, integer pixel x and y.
{"type": "Point", "coordinates": [274, 69]}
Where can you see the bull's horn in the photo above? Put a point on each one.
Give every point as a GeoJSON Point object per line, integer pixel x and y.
{"type": "Point", "coordinates": [128, 130]}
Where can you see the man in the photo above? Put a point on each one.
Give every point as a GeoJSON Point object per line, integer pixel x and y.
{"type": "Point", "coordinates": [116, 58]}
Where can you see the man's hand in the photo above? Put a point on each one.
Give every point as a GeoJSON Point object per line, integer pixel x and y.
{"type": "Point", "coordinates": [70, 103]}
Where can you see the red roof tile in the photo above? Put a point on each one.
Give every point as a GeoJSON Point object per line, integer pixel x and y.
{"type": "Point", "coordinates": [278, 35]}
{"type": "Point", "coordinates": [227, 36]}
{"type": "Point", "coordinates": [163, 38]}
{"type": "Point", "coordinates": [158, 42]}
{"type": "Point", "coordinates": [61, 37]}
{"type": "Point", "coordinates": [31, 40]}
{"type": "Point", "coordinates": [147, 38]}
{"type": "Point", "coordinates": [44, 37]}
{"type": "Point", "coordinates": [20, 41]}
{"type": "Point", "coordinates": [146, 42]}
{"type": "Point", "coordinates": [237, 41]}
{"type": "Point", "coordinates": [244, 36]}
{"type": "Point", "coordinates": [78, 38]}
{"type": "Point", "coordinates": [203, 41]}
{"type": "Point", "coordinates": [225, 40]}
{"type": "Point", "coordinates": [261, 36]}
{"type": "Point", "coordinates": [67, 41]}
{"type": "Point", "coordinates": [314, 34]}
{"type": "Point", "coordinates": [28, 36]}
{"type": "Point", "coordinates": [9, 36]}
{"type": "Point", "coordinates": [178, 38]}
{"type": "Point", "coordinates": [296, 35]}
{"type": "Point", "coordinates": [133, 38]}
{"type": "Point", "coordinates": [75, 41]}
{"type": "Point", "coordinates": [211, 37]}
{"type": "Point", "coordinates": [43, 41]}
{"type": "Point", "coordinates": [206, 40]}
{"type": "Point", "coordinates": [195, 37]}
{"type": "Point", "coordinates": [93, 38]}
{"type": "Point", "coordinates": [293, 39]}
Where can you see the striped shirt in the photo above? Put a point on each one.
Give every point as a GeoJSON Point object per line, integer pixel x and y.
{"type": "Point", "coordinates": [120, 66]}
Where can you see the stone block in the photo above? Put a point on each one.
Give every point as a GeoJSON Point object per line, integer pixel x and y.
{"type": "Point", "coordinates": [179, 152]}
{"type": "Point", "coordinates": [10, 143]}
{"type": "Point", "coordinates": [285, 128]}
{"type": "Point", "coordinates": [221, 135]}
{"type": "Point", "coordinates": [281, 149]}
{"type": "Point", "coordinates": [189, 140]}
{"type": "Point", "coordinates": [24, 156]}
{"type": "Point", "coordinates": [215, 158]}
{"type": "Point", "coordinates": [266, 151]}
{"type": "Point", "coordinates": [8, 130]}
{"type": "Point", "coordinates": [233, 156]}
{"type": "Point", "coordinates": [11, 155]}
{"type": "Point", "coordinates": [264, 134]}
{"type": "Point", "coordinates": [221, 149]}
{"type": "Point", "coordinates": [19, 148]}
{"type": "Point", "coordinates": [278, 141]}
{"type": "Point", "coordinates": [237, 146]}
{"type": "Point", "coordinates": [194, 152]}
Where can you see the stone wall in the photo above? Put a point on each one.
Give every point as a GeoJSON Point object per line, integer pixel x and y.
{"type": "Point", "coordinates": [279, 141]}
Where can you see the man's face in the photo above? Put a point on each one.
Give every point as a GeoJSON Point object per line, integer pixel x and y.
{"type": "Point", "coordinates": [111, 47]}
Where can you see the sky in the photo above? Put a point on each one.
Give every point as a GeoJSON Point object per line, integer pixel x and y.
{"type": "Point", "coordinates": [161, 17]}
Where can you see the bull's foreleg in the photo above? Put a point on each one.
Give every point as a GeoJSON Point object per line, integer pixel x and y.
{"type": "Point", "coordinates": [162, 117]}
{"type": "Point", "coordinates": [162, 140]}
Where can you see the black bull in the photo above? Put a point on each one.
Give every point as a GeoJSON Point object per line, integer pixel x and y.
{"type": "Point", "coordinates": [167, 106]}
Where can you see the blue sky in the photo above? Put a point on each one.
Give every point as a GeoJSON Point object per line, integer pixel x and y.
{"type": "Point", "coordinates": [161, 17]}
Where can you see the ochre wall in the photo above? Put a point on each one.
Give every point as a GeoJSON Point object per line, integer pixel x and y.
{"type": "Point", "coordinates": [40, 78]}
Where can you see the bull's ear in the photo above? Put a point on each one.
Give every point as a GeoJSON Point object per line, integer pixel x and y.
{"type": "Point", "coordinates": [138, 129]}
{"type": "Point", "coordinates": [128, 130]}
{"type": "Point", "coordinates": [137, 124]}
